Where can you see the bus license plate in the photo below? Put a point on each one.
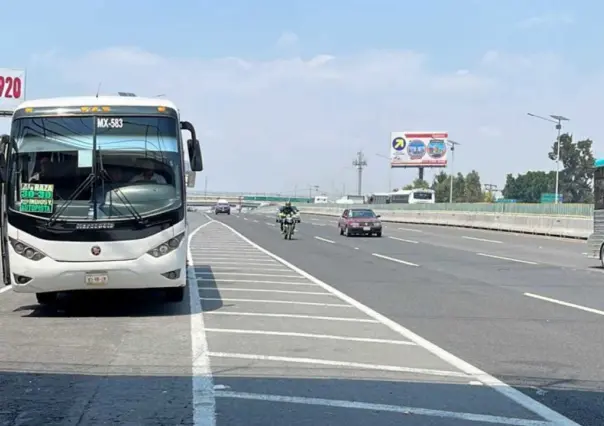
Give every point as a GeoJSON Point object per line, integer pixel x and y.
{"type": "Point", "coordinates": [367, 228]}
{"type": "Point", "coordinates": [97, 279]}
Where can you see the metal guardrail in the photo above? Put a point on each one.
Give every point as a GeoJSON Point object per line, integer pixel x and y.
{"type": "Point", "coordinates": [579, 210]}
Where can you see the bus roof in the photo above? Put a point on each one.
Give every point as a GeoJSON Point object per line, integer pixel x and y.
{"type": "Point", "coordinates": [599, 162]}
{"type": "Point", "coordinates": [64, 102]}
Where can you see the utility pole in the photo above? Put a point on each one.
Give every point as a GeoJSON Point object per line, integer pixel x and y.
{"type": "Point", "coordinates": [452, 145]}
{"type": "Point", "coordinates": [490, 187]}
{"type": "Point", "coordinates": [558, 119]}
{"type": "Point", "coordinates": [360, 163]}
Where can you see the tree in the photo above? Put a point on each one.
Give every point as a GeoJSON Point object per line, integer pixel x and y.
{"type": "Point", "coordinates": [473, 188]}
{"type": "Point", "coordinates": [575, 181]}
{"type": "Point", "coordinates": [527, 188]}
{"type": "Point", "coordinates": [417, 184]}
{"type": "Point", "coordinates": [466, 189]}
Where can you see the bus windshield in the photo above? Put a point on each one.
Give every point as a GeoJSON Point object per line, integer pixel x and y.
{"type": "Point", "coordinates": [422, 195]}
{"type": "Point", "coordinates": [137, 166]}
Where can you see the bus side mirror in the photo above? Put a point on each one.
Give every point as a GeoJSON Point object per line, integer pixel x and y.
{"type": "Point", "coordinates": [195, 158]}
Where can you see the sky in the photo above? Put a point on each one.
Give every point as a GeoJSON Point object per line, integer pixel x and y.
{"type": "Point", "coordinates": [284, 93]}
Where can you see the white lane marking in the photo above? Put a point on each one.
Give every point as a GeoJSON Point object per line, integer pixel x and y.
{"type": "Point", "coordinates": [355, 365]}
{"type": "Point", "coordinates": [403, 240]}
{"type": "Point", "coordinates": [311, 335]}
{"type": "Point", "coordinates": [252, 259]}
{"type": "Point", "coordinates": [255, 221]}
{"type": "Point", "coordinates": [511, 259]}
{"type": "Point", "coordinates": [223, 280]}
{"type": "Point", "coordinates": [223, 250]}
{"type": "Point", "coordinates": [484, 240]}
{"type": "Point", "coordinates": [281, 302]}
{"type": "Point", "coordinates": [410, 230]}
{"type": "Point", "coordinates": [337, 403]}
{"type": "Point", "coordinates": [563, 303]}
{"type": "Point", "coordinates": [494, 383]}
{"type": "Point", "coordinates": [392, 259]}
{"type": "Point", "coordinates": [204, 402]}
{"type": "Point", "coordinates": [5, 288]}
{"type": "Point", "coordinates": [245, 218]}
{"type": "Point", "coordinates": [269, 290]}
{"type": "Point", "coordinates": [251, 274]}
{"type": "Point", "coordinates": [316, 317]}
{"type": "Point", "coordinates": [325, 239]}
{"type": "Point", "coordinates": [237, 268]}
{"type": "Point", "coordinates": [356, 248]}
{"type": "Point", "coordinates": [244, 264]}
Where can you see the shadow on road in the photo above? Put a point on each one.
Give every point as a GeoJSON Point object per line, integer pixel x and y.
{"type": "Point", "coordinates": [69, 394]}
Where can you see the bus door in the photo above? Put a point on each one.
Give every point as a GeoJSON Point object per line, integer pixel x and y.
{"type": "Point", "coordinates": [6, 157]}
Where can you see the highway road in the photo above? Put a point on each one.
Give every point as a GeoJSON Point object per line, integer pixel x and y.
{"type": "Point", "coordinates": [323, 329]}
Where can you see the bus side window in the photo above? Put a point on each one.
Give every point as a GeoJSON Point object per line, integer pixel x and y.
{"type": "Point", "coordinates": [599, 189]}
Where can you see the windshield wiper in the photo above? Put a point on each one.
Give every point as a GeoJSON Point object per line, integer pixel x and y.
{"type": "Point", "coordinates": [87, 182]}
{"type": "Point", "coordinates": [118, 192]}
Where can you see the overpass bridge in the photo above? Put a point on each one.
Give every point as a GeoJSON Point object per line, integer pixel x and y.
{"type": "Point", "coordinates": [196, 199]}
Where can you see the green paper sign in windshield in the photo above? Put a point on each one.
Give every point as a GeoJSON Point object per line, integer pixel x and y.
{"type": "Point", "coordinates": [37, 198]}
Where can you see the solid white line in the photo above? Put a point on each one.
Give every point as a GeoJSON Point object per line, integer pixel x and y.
{"type": "Point", "coordinates": [226, 262]}
{"type": "Point", "coordinates": [252, 274]}
{"type": "Point", "coordinates": [494, 383]}
{"type": "Point", "coordinates": [310, 335]}
{"type": "Point", "coordinates": [561, 302]}
{"type": "Point", "coordinates": [5, 288]}
{"type": "Point", "coordinates": [410, 230]}
{"type": "Point", "coordinates": [251, 259]}
{"type": "Point", "coordinates": [235, 268]}
{"type": "Point", "coordinates": [223, 280]}
{"type": "Point", "coordinates": [482, 239]}
{"type": "Point", "coordinates": [381, 256]}
{"type": "Point", "coordinates": [259, 314]}
{"type": "Point", "coordinates": [204, 403]}
{"type": "Point", "coordinates": [507, 258]}
{"type": "Point", "coordinates": [284, 302]}
{"type": "Point", "coordinates": [325, 239]}
{"type": "Point", "coordinates": [403, 240]}
{"type": "Point", "coordinates": [269, 290]}
{"type": "Point", "coordinates": [336, 403]}
{"type": "Point", "coordinates": [222, 250]}
{"type": "Point", "coordinates": [355, 365]}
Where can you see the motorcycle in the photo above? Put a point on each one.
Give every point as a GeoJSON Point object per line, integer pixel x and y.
{"type": "Point", "coordinates": [288, 227]}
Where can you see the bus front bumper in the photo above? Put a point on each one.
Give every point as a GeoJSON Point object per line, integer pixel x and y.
{"type": "Point", "coordinates": [146, 272]}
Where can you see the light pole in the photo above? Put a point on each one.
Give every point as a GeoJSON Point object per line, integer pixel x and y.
{"type": "Point", "coordinates": [452, 144]}
{"type": "Point", "coordinates": [389, 172]}
{"type": "Point", "coordinates": [558, 119]}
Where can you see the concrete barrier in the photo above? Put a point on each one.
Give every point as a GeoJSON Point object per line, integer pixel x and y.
{"type": "Point", "coordinates": [559, 226]}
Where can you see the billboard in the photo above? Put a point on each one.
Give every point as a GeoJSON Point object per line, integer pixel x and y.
{"type": "Point", "coordinates": [12, 89]}
{"type": "Point", "coordinates": [418, 149]}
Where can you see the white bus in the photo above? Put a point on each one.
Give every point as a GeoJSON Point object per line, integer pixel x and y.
{"type": "Point", "coordinates": [94, 196]}
{"type": "Point", "coordinates": [413, 196]}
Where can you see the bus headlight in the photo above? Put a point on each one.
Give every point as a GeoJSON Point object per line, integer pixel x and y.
{"type": "Point", "coordinates": [167, 247]}
{"type": "Point", "coordinates": [25, 250]}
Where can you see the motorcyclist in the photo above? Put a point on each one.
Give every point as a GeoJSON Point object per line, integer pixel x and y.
{"type": "Point", "coordinates": [284, 211]}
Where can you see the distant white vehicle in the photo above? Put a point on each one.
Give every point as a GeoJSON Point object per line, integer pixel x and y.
{"type": "Point", "coordinates": [321, 199]}
{"type": "Point", "coordinates": [413, 196]}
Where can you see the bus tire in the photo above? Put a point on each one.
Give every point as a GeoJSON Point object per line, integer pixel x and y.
{"type": "Point", "coordinates": [48, 298]}
{"type": "Point", "coordinates": [602, 255]}
{"type": "Point", "coordinates": [175, 294]}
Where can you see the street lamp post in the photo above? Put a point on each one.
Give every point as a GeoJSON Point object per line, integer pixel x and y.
{"type": "Point", "coordinates": [389, 172]}
{"type": "Point", "coordinates": [557, 119]}
{"type": "Point", "coordinates": [452, 144]}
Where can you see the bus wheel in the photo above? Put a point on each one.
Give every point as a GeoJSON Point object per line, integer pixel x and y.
{"type": "Point", "coordinates": [175, 294]}
{"type": "Point", "coordinates": [602, 255]}
{"type": "Point", "coordinates": [46, 298]}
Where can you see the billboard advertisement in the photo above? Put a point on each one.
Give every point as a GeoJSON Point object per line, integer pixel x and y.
{"type": "Point", "coordinates": [12, 89]}
{"type": "Point", "coordinates": [418, 149]}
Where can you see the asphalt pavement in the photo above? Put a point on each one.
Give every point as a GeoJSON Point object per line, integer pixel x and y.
{"type": "Point", "coordinates": [418, 329]}
{"type": "Point", "coordinates": [507, 307]}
